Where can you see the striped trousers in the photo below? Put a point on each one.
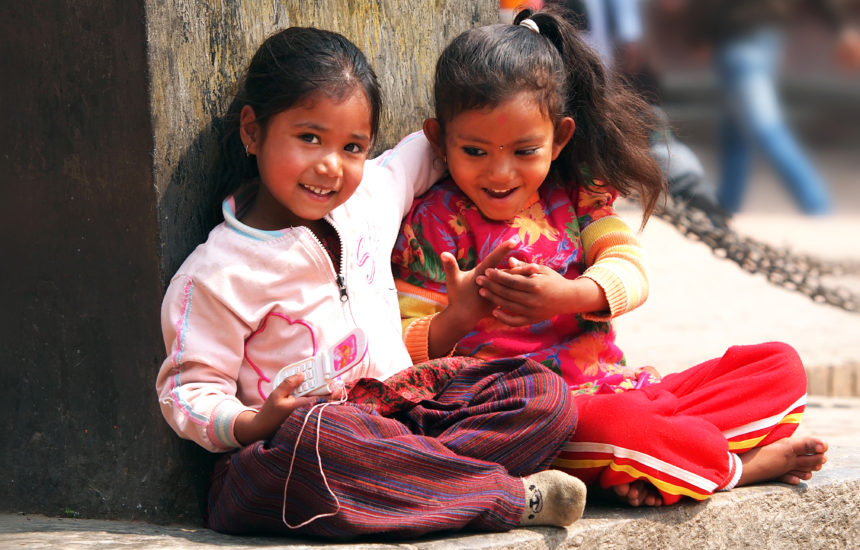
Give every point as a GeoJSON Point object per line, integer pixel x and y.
{"type": "Point", "coordinates": [445, 464]}
{"type": "Point", "coordinates": [684, 434]}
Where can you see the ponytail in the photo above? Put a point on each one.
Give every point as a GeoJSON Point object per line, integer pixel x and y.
{"type": "Point", "coordinates": [613, 124]}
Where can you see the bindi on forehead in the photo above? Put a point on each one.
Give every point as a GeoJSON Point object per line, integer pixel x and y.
{"type": "Point", "coordinates": [502, 118]}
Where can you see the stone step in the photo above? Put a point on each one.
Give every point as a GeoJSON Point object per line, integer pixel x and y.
{"type": "Point", "coordinates": [834, 380]}
{"type": "Point", "coordinates": [819, 514]}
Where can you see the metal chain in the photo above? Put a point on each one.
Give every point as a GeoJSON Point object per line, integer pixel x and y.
{"type": "Point", "coordinates": [780, 266]}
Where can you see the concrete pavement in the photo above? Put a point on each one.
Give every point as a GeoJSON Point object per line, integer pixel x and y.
{"type": "Point", "coordinates": [700, 304]}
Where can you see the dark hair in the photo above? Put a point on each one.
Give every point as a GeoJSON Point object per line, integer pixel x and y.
{"type": "Point", "coordinates": [287, 67]}
{"type": "Point", "coordinates": [484, 66]}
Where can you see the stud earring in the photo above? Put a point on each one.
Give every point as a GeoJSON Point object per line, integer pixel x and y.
{"type": "Point", "coordinates": [247, 154]}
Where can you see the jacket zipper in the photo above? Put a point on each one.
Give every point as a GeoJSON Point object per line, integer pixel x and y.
{"type": "Point", "coordinates": [342, 287]}
{"type": "Point", "coordinates": [338, 275]}
{"type": "Point", "coordinates": [341, 282]}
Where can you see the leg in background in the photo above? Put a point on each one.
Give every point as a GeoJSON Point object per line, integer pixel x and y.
{"type": "Point", "coordinates": [748, 70]}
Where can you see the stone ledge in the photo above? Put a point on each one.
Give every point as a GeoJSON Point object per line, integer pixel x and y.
{"type": "Point", "coordinates": [834, 380]}
{"type": "Point", "coordinates": [819, 514]}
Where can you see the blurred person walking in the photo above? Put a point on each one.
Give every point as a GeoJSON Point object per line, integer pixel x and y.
{"type": "Point", "coordinates": [747, 38]}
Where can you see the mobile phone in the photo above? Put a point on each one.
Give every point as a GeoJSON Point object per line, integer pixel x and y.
{"type": "Point", "coordinates": [327, 365]}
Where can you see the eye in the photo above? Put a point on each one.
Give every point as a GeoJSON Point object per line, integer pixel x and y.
{"type": "Point", "coordinates": [310, 138]}
{"type": "Point", "coordinates": [528, 151]}
{"type": "Point", "coordinates": [473, 152]}
{"type": "Point", "coordinates": [354, 148]}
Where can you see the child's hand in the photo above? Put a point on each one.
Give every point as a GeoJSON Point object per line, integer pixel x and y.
{"type": "Point", "coordinates": [253, 426]}
{"type": "Point", "coordinates": [465, 305]}
{"type": "Point", "coordinates": [463, 297]}
{"type": "Point", "coordinates": [527, 293]}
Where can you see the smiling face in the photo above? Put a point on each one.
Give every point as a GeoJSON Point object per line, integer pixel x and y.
{"type": "Point", "coordinates": [310, 158]}
{"type": "Point", "coordinates": [500, 156]}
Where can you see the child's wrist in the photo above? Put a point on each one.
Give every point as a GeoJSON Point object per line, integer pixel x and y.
{"type": "Point", "coordinates": [417, 338]}
{"type": "Point", "coordinates": [244, 427]}
{"type": "Point", "coordinates": [444, 331]}
{"type": "Point", "coordinates": [587, 296]}
{"type": "Point", "coordinates": [454, 316]}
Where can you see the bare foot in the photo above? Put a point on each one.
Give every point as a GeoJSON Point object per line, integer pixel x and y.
{"type": "Point", "coordinates": [787, 460]}
{"type": "Point", "coordinates": [638, 493]}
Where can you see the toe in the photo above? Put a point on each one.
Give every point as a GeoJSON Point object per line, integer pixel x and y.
{"type": "Point", "coordinates": [791, 479]}
{"type": "Point", "coordinates": [622, 490]}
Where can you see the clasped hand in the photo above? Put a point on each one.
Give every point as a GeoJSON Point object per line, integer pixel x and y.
{"type": "Point", "coordinates": [525, 293]}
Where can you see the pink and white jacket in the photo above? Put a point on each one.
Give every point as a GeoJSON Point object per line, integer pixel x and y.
{"type": "Point", "coordinates": [247, 302]}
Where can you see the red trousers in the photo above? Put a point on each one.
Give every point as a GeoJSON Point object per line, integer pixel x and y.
{"type": "Point", "coordinates": [684, 434]}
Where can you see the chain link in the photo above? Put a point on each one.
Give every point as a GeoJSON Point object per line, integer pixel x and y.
{"type": "Point", "coordinates": [780, 266]}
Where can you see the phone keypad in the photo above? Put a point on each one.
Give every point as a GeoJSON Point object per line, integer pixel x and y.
{"type": "Point", "coordinates": [322, 367]}
{"type": "Point", "coordinates": [310, 376]}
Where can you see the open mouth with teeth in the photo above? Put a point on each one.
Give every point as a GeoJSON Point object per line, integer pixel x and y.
{"type": "Point", "coordinates": [499, 193]}
{"type": "Point", "coordinates": [318, 191]}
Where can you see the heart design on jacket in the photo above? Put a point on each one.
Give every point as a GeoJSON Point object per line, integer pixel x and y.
{"type": "Point", "coordinates": [268, 346]}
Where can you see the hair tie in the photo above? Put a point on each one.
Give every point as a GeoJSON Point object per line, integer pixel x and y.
{"type": "Point", "coordinates": [530, 24]}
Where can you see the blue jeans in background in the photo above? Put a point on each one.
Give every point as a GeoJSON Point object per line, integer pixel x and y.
{"type": "Point", "coordinates": [753, 120]}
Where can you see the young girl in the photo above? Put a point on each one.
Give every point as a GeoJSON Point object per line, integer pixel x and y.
{"type": "Point", "coordinates": [539, 142]}
{"type": "Point", "coordinates": [298, 270]}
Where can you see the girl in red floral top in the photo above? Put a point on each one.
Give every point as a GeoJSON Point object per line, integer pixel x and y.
{"type": "Point", "coordinates": [539, 142]}
{"type": "Point", "coordinates": [536, 160]}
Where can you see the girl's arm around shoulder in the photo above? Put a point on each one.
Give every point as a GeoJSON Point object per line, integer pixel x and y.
{"type": "Point", "coordinates": [411, 167]}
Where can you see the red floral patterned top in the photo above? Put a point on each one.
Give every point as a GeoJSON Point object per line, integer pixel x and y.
{"type": "Point", "coordinates": [577, 233]}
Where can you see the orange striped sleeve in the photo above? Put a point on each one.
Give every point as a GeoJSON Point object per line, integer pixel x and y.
{"type": "Point", "coordinates": [418, 306]}
{"type": "Point", "coordinates": [616, 262]}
